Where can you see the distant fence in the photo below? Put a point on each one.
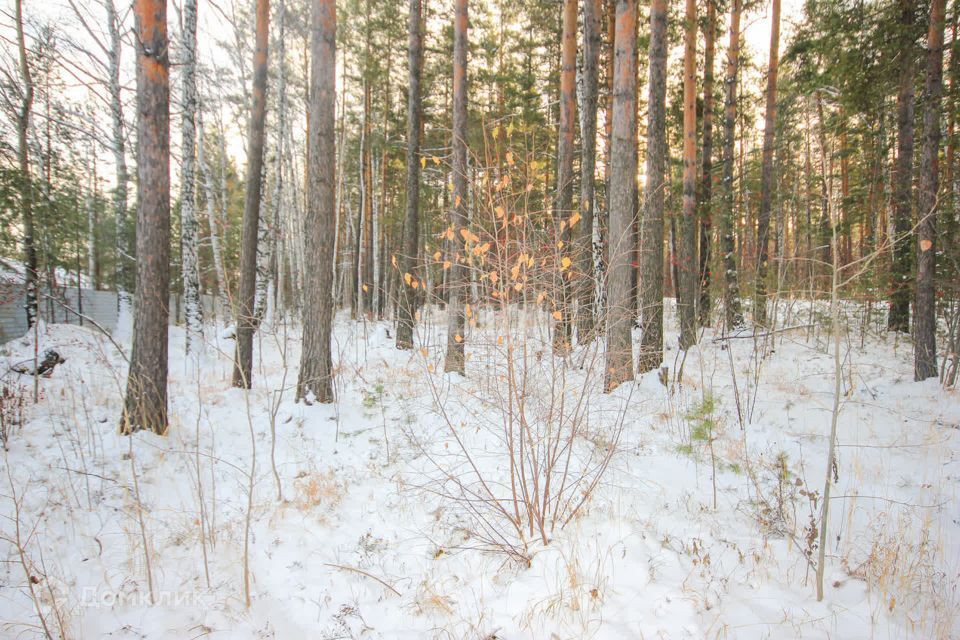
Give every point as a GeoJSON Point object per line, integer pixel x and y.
{"type": "Point", "coordinates": [69, 305]}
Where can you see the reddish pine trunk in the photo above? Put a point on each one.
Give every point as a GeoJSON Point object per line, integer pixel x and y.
{"type": "Point", "coordinates": [145, 406]}
{"type": "Point", "coordinates": [316, 368]}
{"type": "Point", "coordinates": [619, 355]}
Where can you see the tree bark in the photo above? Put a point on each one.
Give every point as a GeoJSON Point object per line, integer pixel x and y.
{"type": "Point", "coordinates": [193, 312]}
{"type": "Point", "coordinates": [563, 202]}
{"type": "Point", "coordinates": [145, 406]}
{"type": "Point", "coordinates": [246, 318]}
{"type": "Point", "coordinates": [651, 250]}
{"type": "Point", "coordinates": [925, 303]}
{"type": "Point", "coordinates": [26, 184]}
{"type": "Point", "coordinates": [457, 277]}
{"type": "Point", "coordinates": [587, 285]}
{"type": "Point", "coordinates": [687, 254]}
{"type": "Point", "coordinates": [411, 223]}
{"type": "Point", "coordinates": [899, 315]}
{"type": "Point", "coordinates": [619, 354]}
{"type": "Point", "coordinates": [731, 297]}
{"type": "Point", "coordinates": [121, 252]}
{"type": "Point", "coordinates": [316, 363]}
{"type": "Point", "coordinates": [706, 180]}
{"type": "Point", "coordinates": [766, 176]}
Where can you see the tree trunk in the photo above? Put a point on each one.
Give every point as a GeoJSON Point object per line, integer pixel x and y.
{"type": "Point", "coordinates": [246, 319]}
{"type": "Point", "coordinates": [687, 242]}
{"type": "Point", "coordinates": [731, 297]}
{"type": "Point", "coordinates": [275, 264]}
{"type": "Point", "coordinates": [651, 250]}
{"type": "Point", "coordinates": [192, 311]}
{"type": "Point", "coordinates": [925, 304]}
{"type": "Point", "coordinates": [899, 316]}
{"type": "Point", "coordinates": [563, 202]}
{"type": "Point", "coordinates": [145, 406]}
{"type": "Point", "coordinates": [619, 355]}
{"type": "Point", "coordinates": [223, 296]}
{"type": "Point", "coordinates": [706, 179]}
{"type": "Point", "coordinates": [26, 185]}
{"type": "Point", "coordinates": [122, 254]}
{"type": "Point", "coordinates": [587, 285]}
{"type": "Point", "coordinates": [766, 177]}
{"type": "Point", "coordinates": [411, 223]}
{"type": "Point", "coordinates": [457, 278]}
{"type": "Point", "coordinates": [316, 363]}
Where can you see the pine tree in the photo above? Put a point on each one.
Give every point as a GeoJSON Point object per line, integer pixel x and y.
{"type": "Point", "coordinates": [651, 252]}
{"type": "Point", "coordinates": [623, 149]}
{"type": "Point", "coordinates": [316, 362]}
{"type": "Point", "coordinates": [925, 303]}
{"type": "Point", "coordinates": [145, 406]}
{"type": "Point", "coordinates": [246, 318]}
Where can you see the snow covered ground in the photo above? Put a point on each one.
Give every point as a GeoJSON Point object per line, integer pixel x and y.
{"type": "Point", "coordinates": [364, 520]}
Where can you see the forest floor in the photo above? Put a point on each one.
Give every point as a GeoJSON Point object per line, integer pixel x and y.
{"type": "Point", "coordinates": [367, 517]}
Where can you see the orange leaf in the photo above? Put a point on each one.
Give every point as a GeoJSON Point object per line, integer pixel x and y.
{"type": "Point", "coordinates": [557, 315]}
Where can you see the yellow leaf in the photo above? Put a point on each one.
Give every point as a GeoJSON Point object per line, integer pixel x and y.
{"type": "Point", "coordinates": [423, 162]}
{"type": "Point", "coordinates": [393, 259]}
{"type": "Point", "coordinates": [560, 244]}
{"type": "Point", "coordinates": [430, 367]}
{"type": "Point", "coordinates": [447, 264]}
{"type": "Point", "coordinates": [499, 339]}
{"type": "Point", "coordinates": [574, 219]}
{"type": "Point", "coordinates": [518, 286]}
{"type": "Point", "coordinates": [365, 288]}
{"type": "Point", "coordinates": [407, 278]}
{"type": "Point", "coordinates": [500, 212]}
{"type": "Point", "coordinates": [436, 160]}
{"type": "Point", "coordinates": [494, 277]}
{"type": "Point", "coordinates": [424, 352]}
{"type": "Point", "coordinates": [557, 315]}
{"type": "Point", "coordinates": [510, 158]}
{"type": "Point", "coordinates": [529, 262]}
{"type": "Point", "coordinates": [563, 225]}
{"type": "Point", "coordinates": [437, 255]}
{"type": "Point", "coordinates": [449, 233]}
{"type": "Point", "coordinates": [469, 311]}
{"type": "Point", "coordinates": [495, 293]}
{"type": "Point", "coordinates": [565, 263]}
{"type": "Point", "coordinates": [458, 338]}
{"type": "Point", "coordinates": [495, 133]}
